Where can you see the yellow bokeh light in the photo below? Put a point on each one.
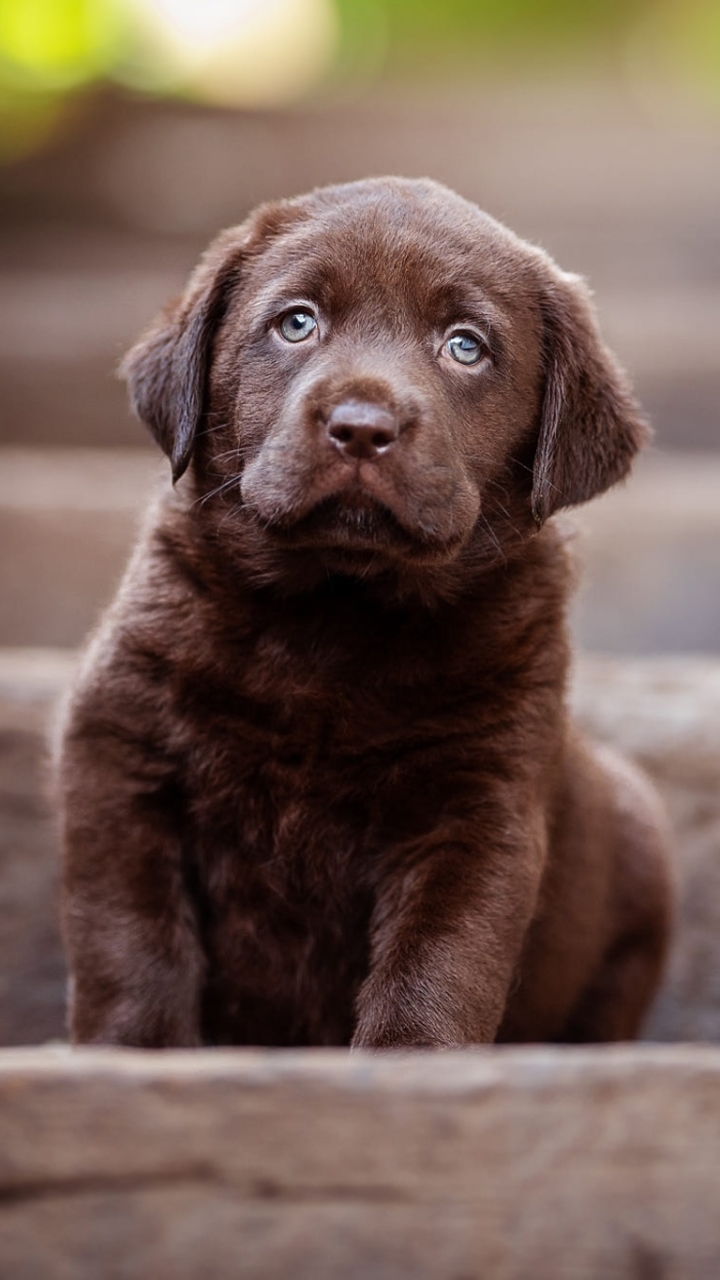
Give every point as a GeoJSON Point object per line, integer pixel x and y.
{"type": "Point", "coordinates": [237, 52]}
{"type": "Point", "coordinates": [194, 27]}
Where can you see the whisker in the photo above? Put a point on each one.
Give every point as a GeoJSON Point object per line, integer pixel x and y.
{"type": "Point", "coordinates": [503, 508]}
{"type": "Point", "coordinates": [209, 431]}
{"type": "Point", "coordinates": [517, 463]}
{"type": "Point", "coordinates": [214, 493]}
{"type": "Point", "coordinates": [493, 537]}
{"type": "Point", "coordinates": [229, 453]}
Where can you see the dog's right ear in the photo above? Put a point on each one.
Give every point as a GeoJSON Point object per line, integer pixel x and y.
{"type": "Point", "coordinates": [166, 370]}
{"type": "Point", "coordinates": [591, 425]}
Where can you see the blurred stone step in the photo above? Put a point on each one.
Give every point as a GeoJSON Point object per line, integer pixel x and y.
{"type": "Point", "coordinates": [663, 712]}
{"type": "Point", "coordinates": [529, 1164]}
{"type": "Point", "coordinates": [67, 521]}
{"type": "Point", "coordinates": [650, 551]}
{"type": "Point", "coordinates": [62, 335]}
{"type": "Point", "coordinates": [636, 181]}
{"type": "Point", "coordinates": [652, 568]}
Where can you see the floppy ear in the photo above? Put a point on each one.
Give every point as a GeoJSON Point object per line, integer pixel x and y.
{"type": "Point", "coordinates": [591, 426]}
{"type": "Point", "coordinates": [166, 371]}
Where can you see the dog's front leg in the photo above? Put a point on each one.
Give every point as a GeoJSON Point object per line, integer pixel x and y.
{"type": "Point", "coordinates": [136, 963]}
{"type": "Point", "coordinates": [446, 938]}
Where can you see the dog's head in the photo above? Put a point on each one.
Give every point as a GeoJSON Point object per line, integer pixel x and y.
{"type": "Point", "coordinates": [381, 374]}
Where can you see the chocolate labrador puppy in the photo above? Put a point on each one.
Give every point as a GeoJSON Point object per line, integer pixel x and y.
{"type": "Point", "coordinates": [319, 785]}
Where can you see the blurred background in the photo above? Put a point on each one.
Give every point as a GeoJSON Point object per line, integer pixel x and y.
{"type": "Point", "coordinates": [132, 130]}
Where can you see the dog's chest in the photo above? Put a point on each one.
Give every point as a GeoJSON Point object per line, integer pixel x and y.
{"type": "Point", "coordinates": [307, 759]}
{"type": "Point", "coordinates": [290, 799]}
{"type": "Point", "coordinates": [307, 772]}
{"type": "Point", "coordinates": [315, 719]}
{"type": "Point", "coordinates": [285, 867]}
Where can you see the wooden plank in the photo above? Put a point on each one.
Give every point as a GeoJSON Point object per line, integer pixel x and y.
{"type": "Point", "coordinates": [510, 1163]}
{"type": "Point", "coordinates": [32, 967]}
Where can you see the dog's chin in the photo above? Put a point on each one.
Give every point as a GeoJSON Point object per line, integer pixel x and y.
{"type": "Point", "coordinates": [356, 533]}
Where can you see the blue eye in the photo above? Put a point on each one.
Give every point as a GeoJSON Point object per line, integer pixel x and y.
{"type": "Point", "coordinates": [296, 326]}
{"type": "Point", "coordinates": [465, 347]}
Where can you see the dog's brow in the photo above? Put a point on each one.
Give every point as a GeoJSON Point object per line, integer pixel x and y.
{"type": "Point", "coordinates": [281, 292]}
{"type": "Point", "coordinates": [455, 301]}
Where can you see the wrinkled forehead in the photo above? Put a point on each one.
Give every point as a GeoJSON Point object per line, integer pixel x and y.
{"type": "Point", "coordinates": [434, 258]}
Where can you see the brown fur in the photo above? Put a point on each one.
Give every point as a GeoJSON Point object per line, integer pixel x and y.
{"type": "Point", "coordinates": [319, 784]}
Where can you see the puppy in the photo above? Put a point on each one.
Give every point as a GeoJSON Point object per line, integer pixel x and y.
{"type": "Point", "coordinates": [318, 781]}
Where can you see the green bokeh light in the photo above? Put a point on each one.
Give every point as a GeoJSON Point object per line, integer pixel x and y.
{"type": "Point", "coordinates": [54, 45]}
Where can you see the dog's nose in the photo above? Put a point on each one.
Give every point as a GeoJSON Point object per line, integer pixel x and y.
{"type": "Point", "coordinates": [362, 429]}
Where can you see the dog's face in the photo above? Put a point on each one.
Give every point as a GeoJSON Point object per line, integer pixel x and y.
{"type": "Point", "coordinates": [379, 374]}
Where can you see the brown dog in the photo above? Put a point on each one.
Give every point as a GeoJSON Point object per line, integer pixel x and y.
{"type": "Point", "coordinates": [319, 785]}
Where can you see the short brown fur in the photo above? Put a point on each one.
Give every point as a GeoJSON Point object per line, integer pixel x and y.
{"type": "Point", "coordinates": [318, 780]}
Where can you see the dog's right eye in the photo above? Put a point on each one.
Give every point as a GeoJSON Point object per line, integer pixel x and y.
{"type": "Point", "coordinates": [296, 326]}
{"type": "Point", "coordinates": [466, 347]}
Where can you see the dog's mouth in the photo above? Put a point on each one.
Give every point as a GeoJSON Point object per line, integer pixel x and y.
{"type": "Point", "coordinates": [360, 518]}
{"type": "Point", "coordinates": [355, 531]}
{"type": "Point", "coordinates": [353, 520]}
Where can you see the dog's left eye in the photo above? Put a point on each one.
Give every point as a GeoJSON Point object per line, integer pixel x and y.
{"type": "Point", "coordinates": [296, 326]}
{"type": "Point", "coordinates": [466, 347]}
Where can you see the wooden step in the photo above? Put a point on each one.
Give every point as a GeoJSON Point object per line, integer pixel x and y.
{"type": "Point", "coordinates": [525, 1164]}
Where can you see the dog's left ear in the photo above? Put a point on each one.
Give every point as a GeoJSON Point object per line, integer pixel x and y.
{"type": "Point", "coordinates": [166, 370]}
{"type": "Point", "coordinates": [591, 426]}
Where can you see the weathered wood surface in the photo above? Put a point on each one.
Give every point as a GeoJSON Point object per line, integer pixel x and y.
{"type": "Point", "coordinates": [527, 1164]}
{"type": "Point", "coordinates": [32, 970]}
{"type": "Point", "coordinates": [666, 713]}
